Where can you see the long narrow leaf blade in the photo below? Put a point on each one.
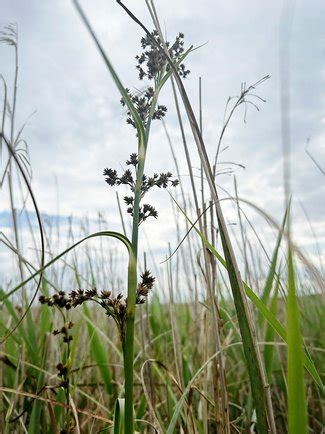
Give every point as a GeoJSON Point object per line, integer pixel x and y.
{"type": "Point", "coordinates": [297, 407]}
{"type": "Point", "coordinates": [111, 234]}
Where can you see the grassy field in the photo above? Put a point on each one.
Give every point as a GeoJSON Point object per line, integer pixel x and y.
{"type": "Point", "coordinates": [100, 339]}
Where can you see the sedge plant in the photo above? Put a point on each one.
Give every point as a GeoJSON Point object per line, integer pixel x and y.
{"type": "Point", "coordinates": [141, 110]}
{"type": "Point", "coordinates": [156, 66]}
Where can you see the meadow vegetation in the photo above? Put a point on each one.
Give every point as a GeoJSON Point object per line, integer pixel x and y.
{"type": "Point", "coordinates": [241, 352]}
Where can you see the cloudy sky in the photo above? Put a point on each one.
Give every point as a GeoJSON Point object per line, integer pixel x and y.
{"type": "Point", "coordinates": [76, 126]}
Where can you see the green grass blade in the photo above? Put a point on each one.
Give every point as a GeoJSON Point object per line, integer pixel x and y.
{"type": "Point", "coordinates": [13, 401]}
{"type": "Point", "coordinates": [99, 353]}
{"type": "Point", "coordinates": [270, 335]}
{"type": "Point", "coordinates": [23, 336]}
{"type": "Point", "coordinates": [272, 270]}
{"type": "Point", "coordinates": [46, 321]}
{"type": "Point", "coordinates": [119, 416]}
{"type": "Point", "coordinates": [31, 332]}
{"type": "Point", "coordinates": [35, 424]}
{"type": "Point", "coordinates": [111, 234]}
{"type": "Point", "coordinates": [297, 406]}
{"type": "Point", "coordinates": [251, 350]}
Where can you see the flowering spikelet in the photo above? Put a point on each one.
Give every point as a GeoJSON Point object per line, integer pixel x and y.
{"type": "Point", "coordinates": [142, 103]}
{"type": "Point", "coordinates": [115, 306]}
{"type": "Point", "coordinates": [163, 180]}
{"type": "Point", "coordinates": [152, 63]}
{"type": "Point", "coordinates": [153, 60]}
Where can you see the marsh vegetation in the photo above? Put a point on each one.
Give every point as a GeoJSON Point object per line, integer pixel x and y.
{"type": "Point", "coordinates": [224, 336]}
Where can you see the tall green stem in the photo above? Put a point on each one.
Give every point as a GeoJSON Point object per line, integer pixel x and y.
{"type": "Point", "coordinates": [128, 344]}
{"type": "Point", "coordinates": [143, 135]}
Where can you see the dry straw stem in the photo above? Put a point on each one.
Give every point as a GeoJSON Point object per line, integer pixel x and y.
{"type": "Point", "coordinates": [222, 411]}
{"type": "Point", "coordinates": [263, 309]}
{"type": "Point", "coordinates": [54, 403]}
{"type": "Point", "coordinates": [22, 171]}
{"type": "Point", "coordinates": [174, 326]}
{"type": "Point", "coordinates": [9, 36]}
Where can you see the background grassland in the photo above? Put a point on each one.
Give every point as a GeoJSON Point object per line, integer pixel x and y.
{"type": "Point", "coordinates": [211, 351]}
